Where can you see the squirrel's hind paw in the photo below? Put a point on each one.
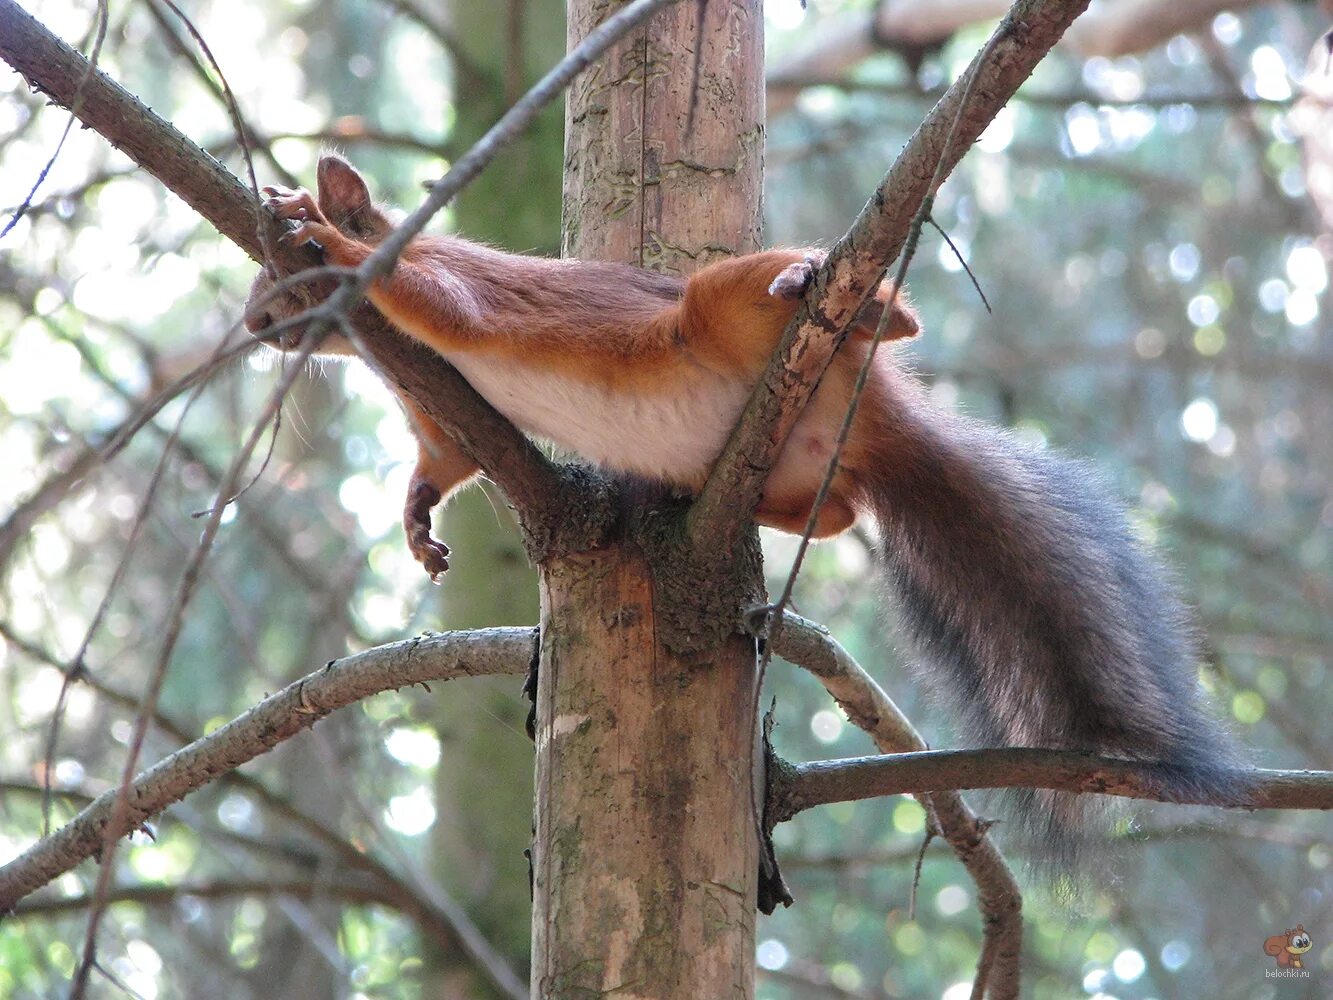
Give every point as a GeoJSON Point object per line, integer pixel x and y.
{"type": "Point", "coordinates": [427, 550]}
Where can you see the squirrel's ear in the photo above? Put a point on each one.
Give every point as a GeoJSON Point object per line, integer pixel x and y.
{"type": "Point", "coordinates": [340, 186]}
{"type": "Point", "coordinates": [903, 321]}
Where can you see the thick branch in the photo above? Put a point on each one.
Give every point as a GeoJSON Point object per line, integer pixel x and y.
{"type": "Point", "coordinates": [822, 782]}
{"type": "Point", "coordinates": [277, 718]}
{"type": "Point", "coordinates": [857, 263]}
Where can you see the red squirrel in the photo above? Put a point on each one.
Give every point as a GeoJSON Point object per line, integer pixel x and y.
{"type": "Point", "coordinates": [1014, 573]}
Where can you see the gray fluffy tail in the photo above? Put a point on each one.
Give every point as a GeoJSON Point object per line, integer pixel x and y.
{"type": "Point", "coordinates": [1039, 615]}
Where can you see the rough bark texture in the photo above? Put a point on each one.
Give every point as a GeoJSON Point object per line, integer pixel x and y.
{"type": "Point", "coordinates": [638, 187]}
{"type": "Point", "coordinates": [645, 861]}
{"type": "Point", "coordinates": [645, 850]}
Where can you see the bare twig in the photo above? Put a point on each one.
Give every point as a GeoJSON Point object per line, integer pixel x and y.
{"type": "Point", "coordinates": [244, 132]}
{"type": "Point", "coordinates": [101, 22]}
{"type": "Point", "coordinates": [1055, 100]}
{"type": "Point", "coordinates": [157, 677]}
{"type": "Point", "coordinates": [472, 76]}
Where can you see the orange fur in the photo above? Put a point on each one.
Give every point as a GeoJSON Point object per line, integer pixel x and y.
{"type": "Point", "coordinates": [560, 344]}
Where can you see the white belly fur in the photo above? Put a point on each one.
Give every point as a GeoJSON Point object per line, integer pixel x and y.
{"type": "Point", "coordinates": [675, 438]}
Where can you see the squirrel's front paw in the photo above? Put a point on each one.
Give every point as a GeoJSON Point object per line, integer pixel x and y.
{"type": "Point", "coordinates": [430, 552]}
{"type": "Point", "coordinates": [299, 205]}
{"type": "Point", "coordinates": [794, 279]}
{"type": "Point", "coordinates": [286, 203]}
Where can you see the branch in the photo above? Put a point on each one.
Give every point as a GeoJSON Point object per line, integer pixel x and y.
{"type": "Point", "coordinates": [296, 707]}
{"type": "Point", "coordinates": [1058, 100]}
{"type": "Point", "coordinates": [822, 782]}
{"type": "Point", "coordinates": [866, 704]}
{"type": "Point", "coordinates": [433, 909]}
{"type": "Point", "coordinates": [856, 264]}
{"type": "Point", "coordinates": [360, 893]}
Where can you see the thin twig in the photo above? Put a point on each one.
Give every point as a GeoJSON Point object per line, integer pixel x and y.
{"type": "Point", "coordinates": [103, 16]}
{"type": "Point", "coordinates": [238, 124]}
{"type": "Point", "coordinates": [868, 707]}
{"type": "Point", "coordinates": [961, 262]}
{"type": "Point", "coordinates": [157, 676]}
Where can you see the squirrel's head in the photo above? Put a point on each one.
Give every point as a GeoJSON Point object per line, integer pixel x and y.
{"type": "Point", "coordinates": [267, 306]}
{"type": "Point", "coordinates": [345, 201]}
{"type": "Point", "coordinates": [1298, 942]}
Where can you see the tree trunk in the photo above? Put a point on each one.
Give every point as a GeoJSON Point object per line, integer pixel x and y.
{"type": "Point", "coordinates": [646, 853]}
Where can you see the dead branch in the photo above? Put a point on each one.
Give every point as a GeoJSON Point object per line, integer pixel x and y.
{"type": "Point", "coordinates": [838, 43]}
{"type": "Point", "coordinates": [866, 704]}
{"type": "Point", "coordinates": [296, 707]}
{"type": "Point", "coordinates": [822, 782]}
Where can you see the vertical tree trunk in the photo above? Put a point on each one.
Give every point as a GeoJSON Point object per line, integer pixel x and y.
{"type": "Point", "coordinates": [645, 852]}
{"type": "Point", "coordinates": [638, 188]}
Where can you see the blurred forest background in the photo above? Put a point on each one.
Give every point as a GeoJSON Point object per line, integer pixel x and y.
{"type": "Point", "coordinates": [1152, 233]}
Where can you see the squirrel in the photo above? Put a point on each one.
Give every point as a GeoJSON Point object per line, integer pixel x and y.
{"type": "Point", "coordinates": [1017, 579]}
{"type": "Point", "coordinates": [1288, 947]}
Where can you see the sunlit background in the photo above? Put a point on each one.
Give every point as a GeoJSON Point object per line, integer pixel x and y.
{"type": "Point", "coordinates": [1151, 233]}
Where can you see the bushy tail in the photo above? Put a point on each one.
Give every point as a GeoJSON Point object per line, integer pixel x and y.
{"type": "Point", "coordinates": [1039, 615]}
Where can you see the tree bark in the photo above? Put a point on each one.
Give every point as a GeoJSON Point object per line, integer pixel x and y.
{"type": "Point", "coordinates": [645, 857]}
{"type": "Point", "coordinates": [638, 186]}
